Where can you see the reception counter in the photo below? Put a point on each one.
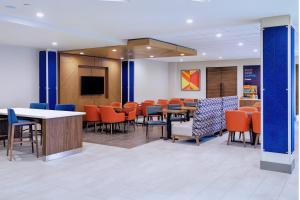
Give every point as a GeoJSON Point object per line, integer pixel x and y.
{"type": "Point", "coordinates": [248, 102]}
{"type": "Point", "coordinates": [61, 130]}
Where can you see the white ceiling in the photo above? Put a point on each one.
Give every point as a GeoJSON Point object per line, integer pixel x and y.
{"type": "Point", "coordinates": [76, 24]}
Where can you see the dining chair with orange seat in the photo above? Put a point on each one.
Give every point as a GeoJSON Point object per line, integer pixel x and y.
{"type": "Point", "coordinates": [248, 109]}
{"type": "Point", "coordinates": [176, 101]}
{"type": "Point", "coordinates": [131, 105]}
{"type": "Point", "coordinates": [150, 101]}
{"type": "Point", "coordinates": [188, 100]}
{"type": "Point", "coordinates": [236, 121]}
{"type": "Point", "coordinates": [109, 116]}
{"type": "Point", "coordinates": [92, 115]}
{"type": "Point", "coordinates": [144, 111]}
{"type": "Point", "coordinates": [256, 125]}
{"type": "Point", "coordinates": [163, 103]}
{"type": "Point", "coordinates": [116, 104]}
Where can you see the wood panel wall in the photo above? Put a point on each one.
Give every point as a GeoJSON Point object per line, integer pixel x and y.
{"type": "Point", "coordinates": [70, 71]}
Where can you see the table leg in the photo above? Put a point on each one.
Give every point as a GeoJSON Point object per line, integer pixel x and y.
{"type": "Point", "coordinates": [188, 115]}
{"type": "Point", "coordinates": [253, 138]}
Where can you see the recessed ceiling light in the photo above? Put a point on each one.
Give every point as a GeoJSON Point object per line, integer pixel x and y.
{"type": "Point", "coordinates": [255, 50]}
{"type": "Point", "coordinates": [240, 44]}
{"type": "Point", "coordinates": [148, 47]}
{"type": "Point", "coordinates": [10, 6]}
{"type": "Point", "coordinates": [220, 57]}
{"type": "Point", "coordinates": [181, 60]}
{"type": "Point", "coordinates": [54, 43]}
{"type": "Point", "coordinates": [122, 58]}
{"type": "Point", "coordinates": [40, 14]}
{"type": "Point", "coordinates": [189, 21]}
{"type": "Point", "coordinates": [81, 53]}
{"type": "Point", "coordinates": [203, 54]}
{"type": "Point", "coordinates": [182, 54]}
{"type": "Point", "coordinates": [218, 35]}
{"type": "Point", "coordinates": [114, 50]}
{"type": "Point", "coordinates": [151, 56]}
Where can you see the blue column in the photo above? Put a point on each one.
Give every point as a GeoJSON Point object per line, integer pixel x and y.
{"type": "Point", "coordinates": [124, 82]}
{"type": "Point", "coordinates": [48, 77]}
{"type": "Point", "coordinates": [131, 81]}
{"type": "Point", "coordinates": [278, 93]}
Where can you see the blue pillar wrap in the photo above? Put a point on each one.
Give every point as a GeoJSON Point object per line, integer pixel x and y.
{"type": "Point", "coordinates": [124, 82]}
{"type": "Point", "coordinates": [131, 81]}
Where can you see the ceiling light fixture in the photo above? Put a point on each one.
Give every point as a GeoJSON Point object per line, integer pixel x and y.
{"type": "Point", "coordinates": [151, 56]}
{"type": "Point", "coordinates": [148, 47]}
{"type": "Point", "coordinates": [81, 53]}
{"type": "Point", "coordinates": [203, 54]}
{"type": "Point", "coordinates": [240, 44]}
{"type": "Point", "coordinates": [182, 54]}
{"type": "Point", "coordinates": [114, 50]}
{"type": "Point", "coordinates": [122, 58]}
{"type": "Point", "coordinates": [54, 43]}
{"type": "Point", "coordinates": [189, 21]}
{"type": "Point", "coordinates": [220, 57]}
{"type": "Point", "coordinates": [255, 50]}
{"type": "Point", "coordinates": [218, 35]}
{"type": "Point", "coordinates": [40, 14]}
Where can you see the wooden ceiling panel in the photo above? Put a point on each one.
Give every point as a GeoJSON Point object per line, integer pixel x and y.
{"type": "Point", "coordinates": [137, 48]}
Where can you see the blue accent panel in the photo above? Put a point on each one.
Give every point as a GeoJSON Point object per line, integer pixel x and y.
{"type": "Point", "coordinates": [65, 107]}
{"type": "Point", "coordinates": [52, 74]}
{"type": "Point", "coordinates": [42, 77]}
{"type": "Point", "coordinates": [124, 82]}
{"type": "Point", "coordinates": [275, 95]}
{"type": "Point", "coordinates": [293, 89]}
{"type": "Point", "coordinates": [131, 81]}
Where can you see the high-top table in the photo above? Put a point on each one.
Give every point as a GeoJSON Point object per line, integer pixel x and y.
{"type": "Point", "coordinates": [61, 130]}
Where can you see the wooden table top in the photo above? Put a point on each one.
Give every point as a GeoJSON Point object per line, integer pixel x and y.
{"type": "Point", "coordinates": [174, 111]}
{"type": "Point", "coordinates": [188, 108]}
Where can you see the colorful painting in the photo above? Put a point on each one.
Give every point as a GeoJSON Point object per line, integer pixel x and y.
{"type": "Point", "coordinates": [252, 78]}
{"type": "Point", "coordinates": [190, 80]}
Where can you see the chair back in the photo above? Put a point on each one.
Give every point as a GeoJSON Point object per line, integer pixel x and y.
{"type": "Point", "coordinates": [144, 108]}
{"type": "Point", "coordinates": [248, 109]}
{"type": "Point", "coordinates": [257, 105]}
{"type": "Point", "coordinates": [42, 106]}
{"type": "Point", "coordinates": [131, 105]}
{"type": "Point", "coordinates": [154, 110]}
{"type": "Point", "coordinates": [163, 103]}
{"type": "Point", "coordinates": [65, 107]}
{"type": "Point", "coordinates": [11, 116]}
{"type": "Point", "coordinates": [190, 104]}
{"type": "Point", "coordinates": [150, 101]}
{"type": "Point", "coordinates": [92, 113]}
{"type": "Point", "coordinates": [176, 101]}
{"type": "Point", "coordinates": [237, 120]}
{"type": "Point", "coordinates": [188, 100]}
{"type": "Point", "coordinates": [174, 107]}
{"type": "Point", "coordinates": [116, 104]}
{"type": "Point", "coordinates": [107, 114]}
{"type": "Point", "coordinates": [256, 121]}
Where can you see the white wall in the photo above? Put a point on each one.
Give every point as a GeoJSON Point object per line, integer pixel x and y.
{"type": "Point", "coordinates": [151, 80]}
{"type": "Point", "coordinates": [19, 76]}
{"type": "Point", "coordinates": [175, 68]}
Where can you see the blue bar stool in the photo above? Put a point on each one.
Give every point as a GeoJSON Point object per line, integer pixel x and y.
{"type": "Point", "coordinates": [65, 107]}
{"type": "Point", "coordinates": [13, 122]}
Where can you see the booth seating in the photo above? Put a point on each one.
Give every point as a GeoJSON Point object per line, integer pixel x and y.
{"type": "Point", "coordinates": [209, 119]}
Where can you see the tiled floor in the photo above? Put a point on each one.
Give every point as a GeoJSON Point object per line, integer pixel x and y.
{"type": "Point", "coordinates": [156, 171]}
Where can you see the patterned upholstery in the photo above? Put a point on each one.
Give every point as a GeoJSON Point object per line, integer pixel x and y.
{"type": "Point", "coordinates": [229, 103]}
{"type": "Point", "coordinates": [208, 117]}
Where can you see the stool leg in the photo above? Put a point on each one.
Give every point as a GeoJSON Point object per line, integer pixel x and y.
{"type": "Point", "coordinates": [36, 141]}
{"type": "Point", "coordinates": [11, 142]}
{"type": "Point", "coordinates": [8, 140]}
{"type": "Point", "coordinates": [31, 138]}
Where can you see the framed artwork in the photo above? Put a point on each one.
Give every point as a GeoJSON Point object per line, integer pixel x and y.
{"type": "Point", "coordinates": [190, 80]}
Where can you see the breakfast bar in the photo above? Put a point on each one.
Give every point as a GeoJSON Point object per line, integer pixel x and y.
{"type": "Point", "coordinates": [61, 130]}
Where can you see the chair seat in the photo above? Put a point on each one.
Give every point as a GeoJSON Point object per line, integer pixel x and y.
{"type": "Point", "coordinates": [24, 122]}
{"type": "Point", "coordinates": [156, 123]}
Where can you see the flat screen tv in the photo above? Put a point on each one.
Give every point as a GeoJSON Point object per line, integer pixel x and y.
{"type": "Point", "coordinates": [92, 85]}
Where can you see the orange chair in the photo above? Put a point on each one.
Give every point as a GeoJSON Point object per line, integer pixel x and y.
{"type": "Point", "coordinates": [130, 118]}
{"type": "Point", "coordinates": [144, 110]}
{"type": "Point", "coordinates": [176, 101]}
{"type": "Point", "coordinates": [131, 105]}
{"type": "Point", "coordinates": [109, 116]}
{"type": "Point", "coordinates": [92, 115]}
{"type": "Point", "coordinates": [236, 121]}
{"type": "Point", "coordinates": [256, 121]}
{"type": "Point", "coordinates": [163, 103]}
{"type": "Point", "coordinates": [116, 104]}
{"type": "Point", "coordinates": [188, 100]}
{"type": "Point", "coordinates": [257, 105]}
{"type": "Point", "coordinates": [248, 109]}
{"type": "Point", "coordinates": [150, 101]}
